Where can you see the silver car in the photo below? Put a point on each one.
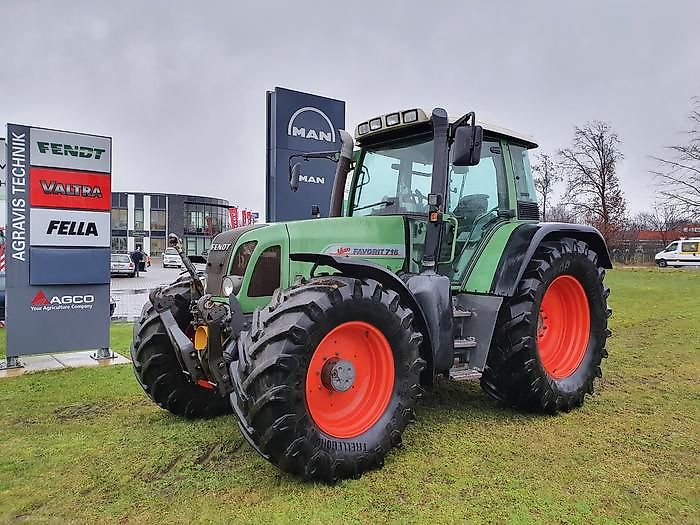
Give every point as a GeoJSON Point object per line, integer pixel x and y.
{"type": "Point", "coordinates": [171, 258]}
{"type": "Point", "coordinates": [121, 264]}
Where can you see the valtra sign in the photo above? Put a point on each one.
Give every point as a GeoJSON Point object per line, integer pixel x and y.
{"type": "Point", "coordinates": [58, 232]}
{"type": "Point", "coordinates": [81, 190]}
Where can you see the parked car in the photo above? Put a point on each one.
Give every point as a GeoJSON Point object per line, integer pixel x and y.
{"type": "Point", "coordinates": [121, 264]}
{"type": "Point", "coordinates": [683, 252]}
{"type": "Point", "coordinates": [171, 259]}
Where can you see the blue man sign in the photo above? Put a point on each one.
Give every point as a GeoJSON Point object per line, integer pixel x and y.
{"type": "Point", "coordinates": [300, 123]}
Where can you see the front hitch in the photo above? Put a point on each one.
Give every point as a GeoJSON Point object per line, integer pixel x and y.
{"type": "Point", "coordinates": [197, 285]}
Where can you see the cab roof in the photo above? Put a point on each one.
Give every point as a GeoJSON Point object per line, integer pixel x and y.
{"type": "Point", "coordinates": [388, 122]}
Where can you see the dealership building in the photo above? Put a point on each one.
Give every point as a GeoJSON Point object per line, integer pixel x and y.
{"type": "Point", "coordinates": [146, 219]}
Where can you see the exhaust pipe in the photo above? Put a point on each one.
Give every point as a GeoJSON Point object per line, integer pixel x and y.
{"type": "Point", "coordinates": [341, 173]}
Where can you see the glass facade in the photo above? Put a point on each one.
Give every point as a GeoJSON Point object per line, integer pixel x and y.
{"type": "Point", "coordinates": [158, 220]}
{"type": "Point", "coordinates": [138, 219]}
{"type": "Point", "coordinates": [157, 247]}
{"type": "Point", "coordinates": [119, 219]}
{"type": "Point", "coordinates": [147, 219]}
{"type": "Point", "coordinates": [206, 218]}
{"type": "Point", "coordinates": [119, 244]}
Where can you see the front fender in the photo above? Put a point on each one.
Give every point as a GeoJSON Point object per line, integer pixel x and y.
{"type": "Point", "coordinates": [361, 269]}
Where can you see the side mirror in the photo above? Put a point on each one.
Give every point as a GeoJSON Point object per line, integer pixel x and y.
{"type": "Point", "coordinates": [467, 146]}
{"type": "Point", "coordinates": [294, 177]}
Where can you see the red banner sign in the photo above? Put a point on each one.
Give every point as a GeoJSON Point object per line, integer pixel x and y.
{"type": "Point", "coordinates": [233, 212]}
{"type": "Point", "coordinates": [60, 188]}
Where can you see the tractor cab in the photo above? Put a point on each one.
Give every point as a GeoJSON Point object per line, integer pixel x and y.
{"type": "Point", "coordinates": [396, 172]}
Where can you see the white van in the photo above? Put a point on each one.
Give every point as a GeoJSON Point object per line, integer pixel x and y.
{"type": "Point", "coordinates": [684, 252]}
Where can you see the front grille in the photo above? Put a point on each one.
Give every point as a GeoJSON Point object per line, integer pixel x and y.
{"type": "Point", "coordinates": [528, 211]}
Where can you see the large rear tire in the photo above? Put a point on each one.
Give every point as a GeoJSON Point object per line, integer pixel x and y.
{"type": "Point", "coordinates": [551, 335]}
{"type": "Point", "coordinates": [159, 372]}
{"type": "Point", "coordinates": [328, 377]}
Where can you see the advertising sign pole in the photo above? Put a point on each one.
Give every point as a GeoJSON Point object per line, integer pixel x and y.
{"type": "Point", "coordinates": [300, 123]}
{"type": "Point", "coordinates": [58, 240]}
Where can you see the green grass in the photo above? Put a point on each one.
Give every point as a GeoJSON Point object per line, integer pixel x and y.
{"type": "Point", "coordinates": [87, 445]}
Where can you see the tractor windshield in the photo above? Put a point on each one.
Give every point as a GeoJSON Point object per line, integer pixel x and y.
{"type": "Point", "coordinates": [395, 178]}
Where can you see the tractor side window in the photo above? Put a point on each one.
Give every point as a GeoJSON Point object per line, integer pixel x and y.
{"type": "Point", "coordinates": [524, 185]}
{"type": "Point", "coordinates": [476, 194]}
{"type": "Point", "coordinates": [478, 190]}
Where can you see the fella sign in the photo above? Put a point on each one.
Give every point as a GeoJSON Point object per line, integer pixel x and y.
{"type": "Point", "coordinates": [58, 239]}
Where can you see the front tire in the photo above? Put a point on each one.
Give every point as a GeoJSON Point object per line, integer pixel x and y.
{"type": "Point", "coordinates": [159, 372]}
{"type": "Point", "coordinates": [662, 263]}
{"type": "Point", "coordinates": [328, 377]}
{"type": "Point", "coordinates": [551, 335]}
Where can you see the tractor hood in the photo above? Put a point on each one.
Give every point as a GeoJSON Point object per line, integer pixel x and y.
{"type": "Point", "coordinates": [259, 255]}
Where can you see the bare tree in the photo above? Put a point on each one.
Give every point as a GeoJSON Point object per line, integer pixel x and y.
{"type": "Point", "coordinates": [679, 175]}
{"type": "Point", "coordinates": [561, 213]}
{"type": "Point", "coordinates": [664, 218]}
{"type": "Point", "coordinates": [546, 175]}
{"type": "Point", "coordinates": [593, 189]}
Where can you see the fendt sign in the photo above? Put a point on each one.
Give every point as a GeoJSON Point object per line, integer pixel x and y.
{"type": "Point", "coordinates": [58, 240]}
{"type": "Point", "coordinates": [300, 123]}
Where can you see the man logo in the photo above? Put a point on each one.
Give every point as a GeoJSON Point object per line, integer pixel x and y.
{"type": "Point", "coordinates": [306, 132]}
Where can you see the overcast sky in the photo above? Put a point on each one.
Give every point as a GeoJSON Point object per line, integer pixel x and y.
{"type": "Point", "coordinates": [180, 86]}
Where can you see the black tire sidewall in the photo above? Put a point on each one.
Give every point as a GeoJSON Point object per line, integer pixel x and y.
{"type": "Point", "coordinates": [586, 273]}
{"type": "Point", "coordinates": [398, 338]}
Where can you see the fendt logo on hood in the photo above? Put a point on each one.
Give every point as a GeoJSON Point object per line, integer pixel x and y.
{"type": "Point", "coordinates": [305, 123]}
{"type": "Point", "coordinates": [61, 302]}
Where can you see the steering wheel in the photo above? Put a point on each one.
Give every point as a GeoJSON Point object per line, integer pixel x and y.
{"type": "Point", "coordinates": [417, 197]}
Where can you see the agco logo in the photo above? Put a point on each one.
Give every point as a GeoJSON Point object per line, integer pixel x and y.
{"type": "Point", "coordinates": [307, 131]}
{"type": "Point", "coordinates": [61, 302]}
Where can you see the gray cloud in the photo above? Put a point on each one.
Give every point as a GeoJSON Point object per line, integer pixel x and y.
{"type": "Point", "coordinates": [180, 86]}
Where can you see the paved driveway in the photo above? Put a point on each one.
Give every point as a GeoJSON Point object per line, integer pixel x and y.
{"type": "Point", "coordinates": [131, 293]}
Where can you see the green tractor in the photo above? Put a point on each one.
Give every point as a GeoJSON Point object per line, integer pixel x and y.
{"type": "Point", "coordinates": [321, 335]}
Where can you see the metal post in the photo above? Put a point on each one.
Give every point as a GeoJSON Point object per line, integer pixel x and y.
{"type": "Point", "coordinates": [11, 361]}
{"type": "Point", "coordinates": [103, 353]}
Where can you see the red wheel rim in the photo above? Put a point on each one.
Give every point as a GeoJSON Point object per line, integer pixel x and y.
{"type": "Point", "coordinates": [563, 327]}
{"type": "Point", "coordinates": [362, 348]}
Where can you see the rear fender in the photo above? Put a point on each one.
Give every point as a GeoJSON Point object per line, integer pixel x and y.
{"type": "Point", "coordinates": [525, 240]}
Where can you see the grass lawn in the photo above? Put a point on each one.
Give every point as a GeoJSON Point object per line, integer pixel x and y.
{"type": "Point", "coordinates": [88, 446]}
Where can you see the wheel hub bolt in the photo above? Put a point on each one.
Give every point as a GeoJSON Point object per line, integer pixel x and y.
{"type": "Point", "coordinates": [338, 374]}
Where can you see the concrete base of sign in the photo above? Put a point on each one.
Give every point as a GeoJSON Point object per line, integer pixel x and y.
{"type": "Point", "coordinates": [37, 363]}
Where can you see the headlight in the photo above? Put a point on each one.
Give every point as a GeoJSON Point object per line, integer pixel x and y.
{"type": "Point", "coordinates": [227, 286]}
{"type": "Point", "coordinates": [410, 116]}
{"type": "Point", "coordinates": [363, 128]}
{"type": "Point", "coordinates": [393, 119]}
{"type": "Point", "coordinates": [375, 124]}
{"type": "Point", "coordinates": [231, 284]}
